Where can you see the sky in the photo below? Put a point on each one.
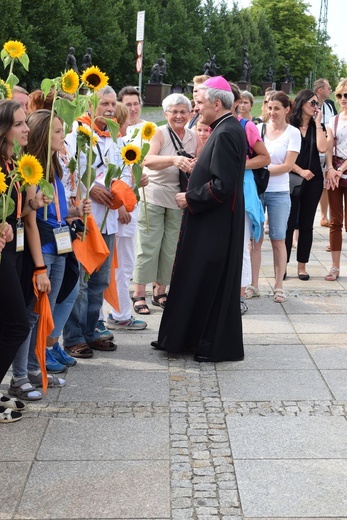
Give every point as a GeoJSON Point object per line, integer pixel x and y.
{"type": "Point", "coordinates": [336, 22]}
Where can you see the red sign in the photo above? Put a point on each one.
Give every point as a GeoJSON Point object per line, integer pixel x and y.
{"type": "Point", "coordinates": [139, 64]}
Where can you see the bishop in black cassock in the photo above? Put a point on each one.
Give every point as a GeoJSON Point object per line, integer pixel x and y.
{"type": "Point", "coordinates": [202, 313]}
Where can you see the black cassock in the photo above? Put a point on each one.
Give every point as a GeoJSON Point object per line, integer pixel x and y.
{"type": "Point", "coordinates": [202, 312]}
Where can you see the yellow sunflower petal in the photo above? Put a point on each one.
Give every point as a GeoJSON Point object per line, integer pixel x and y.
{"type": "Point", "coordinates": [83, 131]}
{"type": "Point", "coordinates": [148, 130]}
{"type": "Point", "coordinates": [5, 90]}
{"type": "Point", "coordinates": [70, 82]}
{"type": "Point", "coordinates": [30, 169]}
{"type": "Point", "coordinates": [15, 48]}
{"type": "Point", "coordinates": [3, 185]}
{"type": "Point", "coordinates": [93, 78]}
{"type": "Point", "coordinates": [131, 154]}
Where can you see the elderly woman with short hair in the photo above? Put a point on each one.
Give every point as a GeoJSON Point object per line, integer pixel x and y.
{"type": "Point", "coordinates": [155, 248]}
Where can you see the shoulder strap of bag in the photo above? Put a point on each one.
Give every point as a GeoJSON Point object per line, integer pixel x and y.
{"type": "Point", "coordinates": [243, 122]}
{"type": "Point", "coordinates": [335, 132]}
{"type": "Point", "coordinates": [175, 140]}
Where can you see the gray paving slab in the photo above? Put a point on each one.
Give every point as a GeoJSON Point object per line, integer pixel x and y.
{"type": "Point", "coordinates": [337, 382]}
{"type": "Point", "coordinates": [96, 384]}
{"type": "Point", "coordinates": [104, 438]}
{"type": "Point", "coordinates": [266, 357]}
{"type": "Point", "coordinates": [91, 489]}
{"type": "Point", "coordinates": [300, 437]}
{"type": "Point", "coordinates": [322, 323]}
{"type": "Point", "coordinates": [13, 476]}
{"type": "Point", "coordinates": [21, 441]}
{"type": "Point", "coordinates": [330, 357]}
{"type": "Point", "coordinates": [260, 385]}
{"type": "Point", "coordinates": [132, 353]}
{"type": "Point", "coordinates": [292, 488]}
{"type": "Point", "coordinates": [269, 339]}
{"type": "Point", "coordinates": [268, 323]}
{"type": "Point", "coordinates": [321, 339]}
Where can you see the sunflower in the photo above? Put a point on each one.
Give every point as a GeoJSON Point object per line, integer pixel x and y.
{"type": "Point", "coordinates": [94, 78]}
{"type": "Point", "coordinates": [15, 48]}
{"type": "Point", "coordinates": [70, 81]}
{"type": "Point", "coordinates": [30, 169]}
{"type": "Point", "coordinates": [148, 130]}
{"type": "Point", "coordinates": [5, 90]}
{"type": "Point", "coordinates": [83, 131]}
{"type": "Point", "coordinates": [3, 185]}
{"type": "Point", "coordinates": [131, 154]}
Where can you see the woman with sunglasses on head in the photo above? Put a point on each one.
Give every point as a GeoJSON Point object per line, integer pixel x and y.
{"type": "Point", "coordinates": [307, 117]}
{"type": "Point", "coordinates": [283, 143]}
{"type": "Point", "coordinates": [336, 163]}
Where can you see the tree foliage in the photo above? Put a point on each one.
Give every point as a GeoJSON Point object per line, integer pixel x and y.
{"type": "Point", "coordinates": [276, 33]}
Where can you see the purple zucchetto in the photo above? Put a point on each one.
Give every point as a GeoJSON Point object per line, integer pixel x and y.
{"type": "Point", "coordinates": [217, 82]}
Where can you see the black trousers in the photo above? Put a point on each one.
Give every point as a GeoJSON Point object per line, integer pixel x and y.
{"type": "Point", "coordinates": [14, 324]}
{"type": "Point", "coordinates": [303, 211]}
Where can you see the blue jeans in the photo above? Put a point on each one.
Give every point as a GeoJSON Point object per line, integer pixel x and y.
{"type": "Point", "coordinates": [278, 208]}
{"type": "Point", "coordinates": [62, 312]}
{"type": "Point", "coordinates": [26, 359]}
{"type": "Point", "coordinates": [80, 327]}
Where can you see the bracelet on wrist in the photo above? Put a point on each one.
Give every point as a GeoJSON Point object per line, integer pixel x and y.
{"type": "Point", "coordinates": [319, 127]}
{"type": "Point", "coordinates": [30, 202]}
{"type": "Point", "coordinates": [40, 268]}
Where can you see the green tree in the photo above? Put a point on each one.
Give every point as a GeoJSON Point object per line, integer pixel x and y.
{"type": "Point", "coordinates": [294, 34]}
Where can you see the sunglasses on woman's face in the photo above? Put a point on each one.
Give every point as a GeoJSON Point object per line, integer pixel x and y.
{"type": "Point", "coordinates": [339, 96]}
{"type": "Point", "coordinates": [313, 103]}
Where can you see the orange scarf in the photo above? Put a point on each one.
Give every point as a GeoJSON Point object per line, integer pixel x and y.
{"type": "Point", "coordinates": [87, 121]}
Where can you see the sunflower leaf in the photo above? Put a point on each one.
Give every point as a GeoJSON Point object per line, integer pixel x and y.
{"type": "Point", "coordinates": [144, 150]}
{"type": "Point", "coordinates": [113, 128]}
{"type": "Point", "coordinates": [66, 110]}
{"type": "Point", "coordinates": [24, 61]}
{"type": "Point", "coordinates": [85, 177]}
{"type": "Point", "coordinates": [6, 61]}
{"type": "Point", "coordinates": [46, 188]}
{"type": "Point", "coordinates": [136, 131]}
{"type": "Point", "coordinates": [46, 85]}
{"type": "Point", "coordinates": [11, 206]}
{"type": "Point", "coordinates": [113, 172]}
{"type": "Point", "coordinates": [136, 191]}
{"type": "Point", "coordinates": [137, 172]}
{"type": "Point", "coordinates": [12, 80]}
{"type": "Point", "coordinates": [4, 54]}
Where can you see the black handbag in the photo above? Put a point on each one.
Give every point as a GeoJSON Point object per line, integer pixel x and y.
{"type": "Point", "coordinates": [295, 180]}
{"type": "Point", "coordinates": [183, 176]}
{"type": "Point", "coordinates": [261, 175]}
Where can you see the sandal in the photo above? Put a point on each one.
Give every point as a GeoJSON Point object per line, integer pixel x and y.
{"type": "Point", "coordinates": [138, 308]}
{"type": "Point", "coordinates": [11, 402]}
{"type": "Point", "coordinates": [328, 249]}
{"type": "Point", "coordinates": [333, 275]}
{"type": "Point", "coordinates": [7, 415]}
{"type": "Point", "coordinates": [157, 303]}
{"type": "Point", "coordinates": [251, 292]}
{"type": "Point", "coordinates": [53, 380]}
{"type": "Point", "coordinates": [279, 296]}
{"type": "Point", "coordinates": [81, 350]}
{"type": "Point", "coordinates": [24, 389]}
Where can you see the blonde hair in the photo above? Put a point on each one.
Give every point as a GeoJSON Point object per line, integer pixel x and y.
{"type": "Point", "coordinates": [342, 84]}
{"type": "Point", "coordinates": [121, 113]}
{"type": "Point", "coordinates": [200, 79]}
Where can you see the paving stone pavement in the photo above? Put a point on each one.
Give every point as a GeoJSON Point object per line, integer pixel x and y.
{"type": "Point", "coordinates": [136, 434]}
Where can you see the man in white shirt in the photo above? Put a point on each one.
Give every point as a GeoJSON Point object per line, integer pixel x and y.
{"type": "Point", "coordinates": [80, 336]}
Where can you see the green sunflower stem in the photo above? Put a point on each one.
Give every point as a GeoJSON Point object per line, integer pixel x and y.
{"type": "Point", "coordinates": [49, 151]}
{"type": "Point", "coordinates": [104, 221]}
{"type": "Point", "coordinates": [11, 69]}
{"type": "Point", "coordinates": [89, 166]}
{"type": "Point", "coordinates": [146, 210]}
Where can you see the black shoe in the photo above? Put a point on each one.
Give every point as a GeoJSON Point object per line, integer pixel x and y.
{"type": "Point", "coordinates": [156, 345]}
{"type": "Point", "coordinates": [285, 275]}
{"type": "Point", "coordinates": [202, 359]}
{"type": "Point", "coordinates": [303, 276]}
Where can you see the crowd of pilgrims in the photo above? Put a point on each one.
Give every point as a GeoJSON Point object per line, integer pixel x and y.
{"type": "Point", "coordinates": [305, 137]}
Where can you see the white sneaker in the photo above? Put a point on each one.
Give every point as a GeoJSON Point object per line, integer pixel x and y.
{"type": "Point", "coordinates": [131, 324]}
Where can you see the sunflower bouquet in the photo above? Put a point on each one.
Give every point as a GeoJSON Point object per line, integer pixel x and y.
{"type": "Point", "coordinates": [27, 172]}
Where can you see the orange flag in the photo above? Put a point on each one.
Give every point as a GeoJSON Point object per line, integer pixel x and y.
{"type": "Point", "coordinates": [93, 251]}
{"type": "Point", "coordinates": [123, 195]}
{"type": "Point", "coordinates": [111, 293]}
{"type": "Point", "coordinates": [44, 328]}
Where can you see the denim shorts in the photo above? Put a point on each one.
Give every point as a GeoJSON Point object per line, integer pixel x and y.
{"type": "Point", "coordinates": [277, 204]}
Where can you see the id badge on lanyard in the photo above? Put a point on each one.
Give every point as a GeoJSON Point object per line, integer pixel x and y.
{"type": "Point", "coordinates": [19, 224]}
{"type": "Point", "coordinates": [62, 233]}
